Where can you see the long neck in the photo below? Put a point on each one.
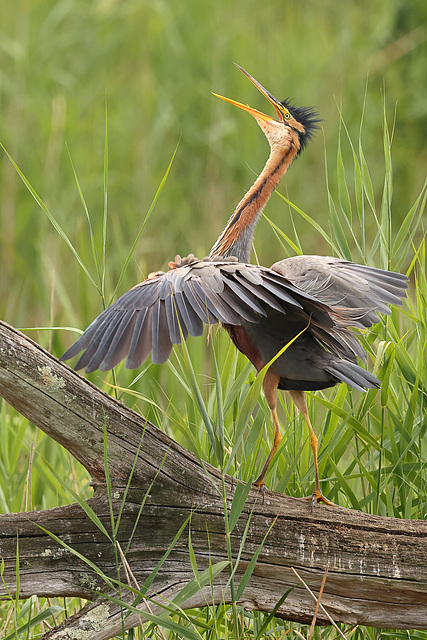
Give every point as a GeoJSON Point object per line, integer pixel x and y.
{"type": "Point", "coordinates": [236, 238]}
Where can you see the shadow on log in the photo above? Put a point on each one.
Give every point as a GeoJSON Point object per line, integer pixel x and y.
{"type": "Point", "coordinates": [377, 566]}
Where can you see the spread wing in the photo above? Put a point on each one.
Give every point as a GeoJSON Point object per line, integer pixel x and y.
{"type": "Point", "coordinates": [154, 315]}
{"type": "Point", "coordinates": [354, 292]}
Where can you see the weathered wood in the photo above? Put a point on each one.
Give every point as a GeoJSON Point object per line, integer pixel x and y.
{"type": "Point", "coordinates": [377, 566]}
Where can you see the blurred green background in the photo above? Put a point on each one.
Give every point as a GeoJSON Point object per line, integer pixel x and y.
{"type": "Point", "coordinates": [154, 64]}
{"type": "Point", "coordinates": [158, 62]}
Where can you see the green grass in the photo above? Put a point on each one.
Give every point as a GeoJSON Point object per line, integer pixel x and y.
{"type": "Point", "coordinates": [58, 60]}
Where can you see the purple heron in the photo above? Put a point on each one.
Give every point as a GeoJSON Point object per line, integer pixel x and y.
{"type": "Point", "coordinates": [317, 298]}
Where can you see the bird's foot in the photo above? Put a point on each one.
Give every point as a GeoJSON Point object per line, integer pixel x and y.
{"type": "Point", "coordinates": [317, 496]}
{"type": "Point", "coordinates": [260, 484]}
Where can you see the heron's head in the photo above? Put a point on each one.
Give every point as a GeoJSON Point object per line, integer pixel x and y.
{"type": "Point", "coordinates": [295, 125]}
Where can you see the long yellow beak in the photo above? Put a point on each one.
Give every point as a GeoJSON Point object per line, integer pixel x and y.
{"type": "Point", "coordinates": [246, 107]}
{"type": "Point", "coordinates": [254, 112]}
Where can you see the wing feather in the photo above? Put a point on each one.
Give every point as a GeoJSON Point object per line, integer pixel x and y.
{"type": "Point", "coordinates": [259, 292]}
{"type": "Point", "coordinates": [97, 349]}
{"type": "Point", "coordinates": [244, 311]}
{"type": "Point", "coordinates": [119, 345]}
{"type": "Point", "coordinates": [280, 293]}
{"type": "Point", "coordinates": [161, 344]}
{"type": "Point", "coordinates": [144, 294]}
{"type": "Point", "coordinates": [140, 345]}
{"type": "Point", "coordinates": [201, 310]}
{"type": "Point", "coordinates": [354, 292]}
{"type": "Point", "coordinates": [175, 321]}
{"type": "Point", "coordinates": [244, 294]}
{"type": "Point", "coordinates": [215, 303]}
{"type": "Point", "coordinates": [152, 315]}
{"type": "Point", "coordinates": [190, 318]}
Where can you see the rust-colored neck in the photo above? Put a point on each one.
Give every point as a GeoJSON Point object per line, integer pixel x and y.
{"type": "Point", "coordinates": [236, 238]}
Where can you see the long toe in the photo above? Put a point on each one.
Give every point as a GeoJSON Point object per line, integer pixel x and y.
{"type": "Point", "coordinates": [317, 496]}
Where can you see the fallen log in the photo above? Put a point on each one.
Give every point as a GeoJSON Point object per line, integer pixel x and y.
{"type": "Point", "coordinates": [377, 567]}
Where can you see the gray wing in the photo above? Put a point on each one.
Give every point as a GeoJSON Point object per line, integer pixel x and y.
{"type": "Point", "coordinates": [154, 315]}
{"type": "Point", "coordinates": [355, 293]}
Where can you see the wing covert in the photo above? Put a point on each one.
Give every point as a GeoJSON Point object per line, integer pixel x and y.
{"type": "Point", "coordinates": [171, 305]}
{"type": "Point", "coordinates": [354, 292]}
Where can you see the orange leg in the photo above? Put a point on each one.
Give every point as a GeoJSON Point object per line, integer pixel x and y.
{"type": "Point", "coordinates": [298, 398]}
{"type": "Point", "coordinates": [270, 384]}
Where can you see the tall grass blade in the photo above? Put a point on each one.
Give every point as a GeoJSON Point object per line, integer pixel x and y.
{"type": "Point", "coordinates": [343, 193]}
{"type": "Point", "coordinates": [150, 579]}
{"type": "Point", "coordinates": [281, 234]}
{"type": "Point", "coordinates": [385, 216]}
{"type": "Point", "coordinates": [146, 219]}
{"type": "Point", "coordinates": [105, 207]}
{"type": "Point", "coordinates": [51, 218]}
{"type": "Point", "coordinates": [89, 222]}
{"type": "Point", "coordinates": [192, 556]}
{"type": "Point", "coordinates": [192, 383]}
{"type": "Point", "coordinates": [196, 585]}
{"type": "Point", "coordinates": [219, 411]}
{"type": "Point", "coordinates": [355, 424]}
{"type": "Point", "coordinates": [108, 581]}
{"type": "Point", "coordinates": [239, 500]}
{"type": "Point", "coordinates": [251, 566]}
{"type": "Point", "coordinates": [313, 223]}
{"type": "Point", "coordinates": [53, 610]}
{"type": "Point", "coordinates": [404, 232]}
{"type": "Point", "coordinates": [83, 504]}
{"type": "Point", "coordinates": [268, 619]}
{"type": "Point", "coordinates": [162, 621]}
{"type": "Point", "coordinates": [344, 249]}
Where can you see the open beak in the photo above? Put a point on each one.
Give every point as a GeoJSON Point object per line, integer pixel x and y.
{"type": "Point", "coordinates": [254, 112]}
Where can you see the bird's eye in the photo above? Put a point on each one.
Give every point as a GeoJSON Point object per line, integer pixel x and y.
{"type": "Point", "coordinates": [287, 115]}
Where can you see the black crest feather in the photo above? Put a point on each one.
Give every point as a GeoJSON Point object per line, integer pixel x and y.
{"type": "Point", "coordinates": [307, 116]}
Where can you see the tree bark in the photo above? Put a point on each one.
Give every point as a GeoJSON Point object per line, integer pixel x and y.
{"type": "Point", "coordinates": [377, 566]}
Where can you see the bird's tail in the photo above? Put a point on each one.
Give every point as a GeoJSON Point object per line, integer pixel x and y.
{"type": "Point", "coordinates": [352, 374]}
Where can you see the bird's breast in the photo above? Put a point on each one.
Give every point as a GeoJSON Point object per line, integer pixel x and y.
{"type": "Point", "coordinates": [245, 344]}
